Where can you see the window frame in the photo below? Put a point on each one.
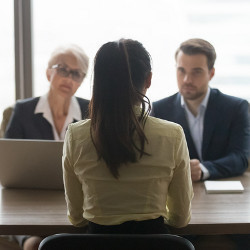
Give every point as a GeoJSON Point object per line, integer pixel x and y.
{"type": "Point", "coordinates": [23, 49]}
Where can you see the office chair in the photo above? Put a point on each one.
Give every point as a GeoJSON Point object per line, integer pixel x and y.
{"type": "Point", "coordinates": [6, 118]}
{"type": "Point", "coordinates": [115, 242]}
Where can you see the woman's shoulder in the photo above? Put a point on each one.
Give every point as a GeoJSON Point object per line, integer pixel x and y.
{"type": "Point", "coordinates": [26, 105]}
{"type": "Point", "coordinates": [163, 127]}
{"type": "Point", "coordinates": [82, 101]}
{"type": "Point", "coordinates": [28, 101]}
{"type": "Point", "coordinates": [80, 129]}
{"type": "Point", "coordinates": [80, 125]}
{"type": "Point", "coordinates": [84, 106]}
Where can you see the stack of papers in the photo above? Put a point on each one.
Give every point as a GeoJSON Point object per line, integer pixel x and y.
{"type": "Point", "coordinates": [223, 187]}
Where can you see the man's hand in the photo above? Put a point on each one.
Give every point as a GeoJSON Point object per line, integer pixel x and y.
{"type": "Point", "coordinates": [195, 170]}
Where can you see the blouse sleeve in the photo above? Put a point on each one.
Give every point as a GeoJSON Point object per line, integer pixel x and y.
{"type": "Point", "coordinates": [180, 191]}
{"type": "Point", "coordinates": [73, 187]}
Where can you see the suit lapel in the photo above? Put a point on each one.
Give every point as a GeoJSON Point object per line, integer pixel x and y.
{"type": "Point", "coordinates": [44, 127]}
{"type": "Point", "coordinates": [209, 122]}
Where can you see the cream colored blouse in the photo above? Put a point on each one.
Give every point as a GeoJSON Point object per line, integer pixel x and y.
{"type": "Point", "coordinates": [157, 185]}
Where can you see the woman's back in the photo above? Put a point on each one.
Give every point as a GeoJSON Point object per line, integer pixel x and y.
{"type": "Point", "coordinates": [143, 187]}
{"type": "Point", "coordinates": [122, 165]}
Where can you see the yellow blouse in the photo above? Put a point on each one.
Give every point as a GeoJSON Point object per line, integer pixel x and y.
{"type": "Point", "coordinates": [156, 185]}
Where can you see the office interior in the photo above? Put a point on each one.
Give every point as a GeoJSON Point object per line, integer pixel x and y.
{"type": "Point", "coordinates": [31, 30]}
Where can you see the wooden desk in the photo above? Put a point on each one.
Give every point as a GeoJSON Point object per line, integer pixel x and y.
{"type": "Point", "coordinates": [220, 213]}
{"type": "Point", "coordinates": [43, 212]}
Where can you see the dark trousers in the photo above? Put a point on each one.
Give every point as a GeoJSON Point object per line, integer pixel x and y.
{"type": "Point", "coordinates": [154, 226]}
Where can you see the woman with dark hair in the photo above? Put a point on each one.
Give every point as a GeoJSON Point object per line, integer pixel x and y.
{"type": "Point", "coordinates": [125, 172]}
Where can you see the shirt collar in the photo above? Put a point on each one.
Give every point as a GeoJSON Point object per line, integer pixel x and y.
{"type": "Point", "coordinates": [43, 107]}
{"type": "Point", "coordinates": [74, 109]}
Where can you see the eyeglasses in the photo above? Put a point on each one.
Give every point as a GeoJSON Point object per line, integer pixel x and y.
{"type": "Point", "coordinates": [62, 70]}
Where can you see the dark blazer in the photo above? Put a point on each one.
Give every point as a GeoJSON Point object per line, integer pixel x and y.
{"type": "Point", "coordinates": [226, 135]}
{"type": "Point", "coordinates": [24, 124]}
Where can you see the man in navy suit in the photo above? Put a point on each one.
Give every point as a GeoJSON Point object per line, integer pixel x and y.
{"type": "Point", "coordinates": [216, 125]}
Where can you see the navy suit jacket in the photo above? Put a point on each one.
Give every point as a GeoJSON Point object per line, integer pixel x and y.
{"type": "Point", "coordinates": [226, 135]}
{"type": "Point", "coordinates": [25, 124]}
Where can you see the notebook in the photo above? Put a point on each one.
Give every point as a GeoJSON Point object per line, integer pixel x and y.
{"type": "Point", "coordinates": [35, 164]}
{"type": "Point", "coordinates": [223, 187]}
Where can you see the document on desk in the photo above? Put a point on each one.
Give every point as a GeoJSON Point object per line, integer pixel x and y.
{"type": "Point", "coordinates": [217, 187]}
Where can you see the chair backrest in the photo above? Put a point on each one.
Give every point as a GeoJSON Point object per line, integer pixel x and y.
{"type": "Point", "coordinates": [6, 118]}
{"type": "Point", "coordinates": [115, 242]}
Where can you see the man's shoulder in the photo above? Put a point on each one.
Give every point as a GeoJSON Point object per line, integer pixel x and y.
{"type": "Point", "coordinates": [225, 99]}
{"type": "Point", "coordinates": [167, 100]}
{"type": "Point", "coordinates": [165, 108]}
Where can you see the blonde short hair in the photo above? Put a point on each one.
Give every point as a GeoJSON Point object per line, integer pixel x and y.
{"type": "Point", "coordinates": [73, 50]}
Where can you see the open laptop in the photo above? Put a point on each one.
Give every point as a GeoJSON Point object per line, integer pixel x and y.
{"type": "Point", "coordinates": [31, 164]}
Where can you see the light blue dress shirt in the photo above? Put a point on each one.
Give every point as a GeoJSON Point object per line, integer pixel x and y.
{"type": "Point", "coordinates": [196, 124]}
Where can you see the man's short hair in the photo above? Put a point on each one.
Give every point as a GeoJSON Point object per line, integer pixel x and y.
{"type": "Point", "coordinates": [198, 46]}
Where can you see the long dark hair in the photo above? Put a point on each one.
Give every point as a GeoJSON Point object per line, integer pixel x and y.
{"type": "Point", "coordinates": [120, 71]}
